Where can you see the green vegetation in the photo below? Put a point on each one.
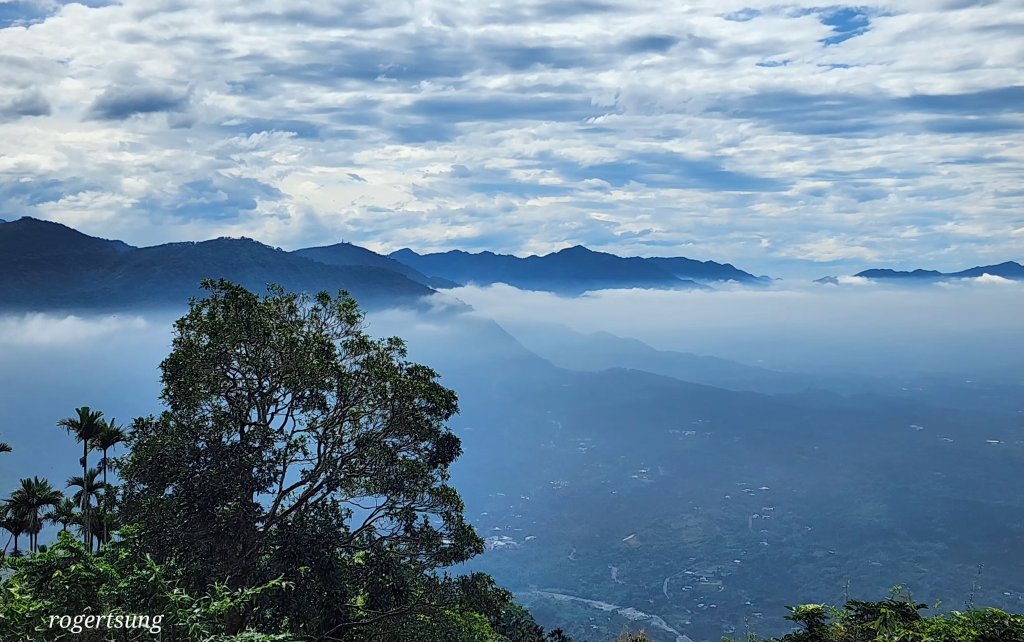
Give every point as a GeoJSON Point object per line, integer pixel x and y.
{"type": "Point", "coordinates": [898, 619]}
{"type": "Point", "coordinates": [294, 488]}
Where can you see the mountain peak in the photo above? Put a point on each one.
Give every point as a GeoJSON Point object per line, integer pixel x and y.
{"type": "Point", "coordinates": [576, 249]}
{"type": "Point", "coordinates": [33, 238]}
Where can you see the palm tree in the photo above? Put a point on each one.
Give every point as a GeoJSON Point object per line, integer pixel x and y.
{"type": "Point", "coordinates": [104, 521]}
{"type": "Point", "coordinates": [86, 427]}
{"type": "Point", "coordinates": [14, 523]}
{"type": "Point", "coordinates": [5, 448]}
{"type": "Point", "coordinates": [29, 500]}
{"type": "Point", "coordinates": [63, 514]}
{"type": "Point", "coordinates": [89, 487]}
{"type": "Point", "coordinates": [110, 435]}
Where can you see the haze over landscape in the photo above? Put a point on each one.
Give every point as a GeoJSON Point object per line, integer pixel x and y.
{"type": "Point", "coordinates": [730, 293]}
{"type": "Point", "coordinates": [683, 459]}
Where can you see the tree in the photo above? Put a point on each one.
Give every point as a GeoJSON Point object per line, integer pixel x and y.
{"type": "Point", "coordinates": [63, 514]}
{"type": "Point", "coordinates": [295, 445]}
{"type": "Point", "coordinates": [28, 501]}
{"type": "Point", "coordinates": [110, 435]}
{"type": "Point", "coordinates": [89, 488]}
{"type": "Point", "coordinates": [85, 426]}
{"type": "Point", "coordinates": [5, 448]}
{"type": "Point", "coordinates": [14, 522]}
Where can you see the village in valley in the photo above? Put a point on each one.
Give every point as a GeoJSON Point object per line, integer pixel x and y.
{"type": "Point", "coordinates": [689, 548]}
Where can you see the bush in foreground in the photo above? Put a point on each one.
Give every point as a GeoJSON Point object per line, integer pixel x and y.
{"type": "Point", "coordinates": [897, 619]}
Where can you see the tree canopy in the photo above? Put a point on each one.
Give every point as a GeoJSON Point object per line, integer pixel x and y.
{"type": "Point", "coordinates": [295, 447]}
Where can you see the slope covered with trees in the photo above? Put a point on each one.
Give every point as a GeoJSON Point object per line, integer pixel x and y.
{"type": "Point", "coordinates": [294, 488]}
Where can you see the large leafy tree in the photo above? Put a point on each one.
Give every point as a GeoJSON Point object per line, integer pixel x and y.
{"type": "Point", "coordinates": [295, 445]}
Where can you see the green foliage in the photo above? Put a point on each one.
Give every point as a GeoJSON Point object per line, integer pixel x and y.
{"type": "Point", "coordinates": [898, 619]}
{"type": "Point", "coordinates": [292, 441]}
{"type": "Point", "coordinates": [66, 580]}
{"type": "Point", "coordinates": [86, 425]}
{"type": "Point", "coordinates": [27, 503]}
{"type": "Point", "coordinates": [295, 488]}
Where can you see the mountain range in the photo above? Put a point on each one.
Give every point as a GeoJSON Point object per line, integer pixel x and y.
{"type": "Point", "coordinates": [572, 270]}
{"type": "Point", "coordinates": [1006, 270]}
{"type": "Point", "coordinates": [46, 265]}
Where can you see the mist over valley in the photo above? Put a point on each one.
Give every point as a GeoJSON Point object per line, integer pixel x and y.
{"type": "Point", "coordinates": [670, 460]}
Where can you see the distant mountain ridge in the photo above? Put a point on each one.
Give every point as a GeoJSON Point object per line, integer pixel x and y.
{"type": "Point", "coordinates": [571, 270]}
{"type": "Point", "coordinates": [346, 254]}
{"type": "Point", "coordinates": [1006, 270]}
{"type": "Point", "coordinates": [45, 265]}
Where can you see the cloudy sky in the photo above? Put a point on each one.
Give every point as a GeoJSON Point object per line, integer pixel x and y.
{"type": "Point", "coordinates": [786, 138]}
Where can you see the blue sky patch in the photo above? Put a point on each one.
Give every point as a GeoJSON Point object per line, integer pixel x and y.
{"type": "Point", "coordinates": [846, 23]}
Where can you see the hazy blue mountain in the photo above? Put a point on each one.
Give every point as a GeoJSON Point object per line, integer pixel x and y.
{"type": "Point", "coordinates": [253, 264]}
{"type": "Point", "coordinates": [886, 273]}
{"type": "Point", "coordinates": [685, 268]}
{"type": "Point", "coordinates": [29, 238]}
{"type": "Point", "coordinates": [46, 265]}
{"type": "Point", "coordinates": [571, 271]}
{"type": "Point", "coordinates": [597, 351]}
{"type": "Point", "coordinates": [347, 254]}
{"type": "Point", "coordinates": [1007, 270]}
{"type": "Point", "coordinates": [646, 492]}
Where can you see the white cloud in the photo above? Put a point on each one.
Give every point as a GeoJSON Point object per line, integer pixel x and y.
{"type": "Point", "coordinates": [855, 280]}
{"type": "Point", "coordinates": [994, 278]}
{"type": "Point", "coordinates": [52, 330]}
{"type": "Point", "coordinates": [794, 325]}
{"type": "Point", "coordinates": [252, 118]}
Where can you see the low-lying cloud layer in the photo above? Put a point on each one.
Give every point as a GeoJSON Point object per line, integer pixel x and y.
{"type": "Point", "coordinates": [970, 326]}
{"type": "Point", "coordinates": [48, 330]}
{"type": "Point", "coordinates": [774, 136]}
{"type": "Point", "coordinates": [51, 364]}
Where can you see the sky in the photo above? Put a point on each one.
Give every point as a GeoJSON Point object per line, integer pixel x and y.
{"type": "Point", "coordinates": [786, 138]}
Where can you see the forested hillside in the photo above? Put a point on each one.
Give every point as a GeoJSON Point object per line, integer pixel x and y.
{"type": "Point", "coordinates": [293, 488]}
